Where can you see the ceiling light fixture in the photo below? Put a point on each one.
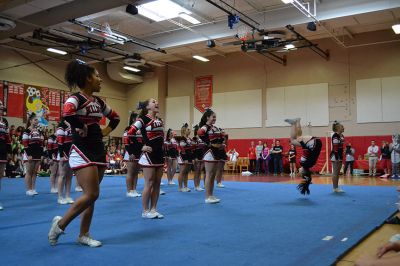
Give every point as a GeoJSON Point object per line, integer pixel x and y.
{"type": "Point", "coordinates": [287, 1]}
{"type": "Point", "coordinates": [134, 69]}
{"type": "Point", "coordinates": [189, 18]}
{"type": "Point", "coordinates": [161, 10]}
{"type": "Point", "coordinates": [56, 51]}
{"type": "Point", "coordinates": [203, 59]}
{"type": "Point", "coordinates": [396, 28]}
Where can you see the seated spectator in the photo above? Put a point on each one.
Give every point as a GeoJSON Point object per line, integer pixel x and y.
{"type": "Point", "coordinates": [233, 155]}
{"type": "Point", "coordinates": [11, 169]}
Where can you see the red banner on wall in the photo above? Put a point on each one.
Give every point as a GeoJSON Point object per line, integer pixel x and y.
{"type": "Point", "coordinates": [15, 100]}
{"type": "Point", "coordinates": [52, 99]}
{"type": "Point", "coordinates": [2, 92]}
{"type": "Point", "coordinates": [203, 87]}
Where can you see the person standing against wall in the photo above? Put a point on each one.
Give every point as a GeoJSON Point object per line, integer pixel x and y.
{"type": "Point", "coordinates": [252, 157]}
{"type": "Point", "coordinates": [277, 151]}
{"type": "Point", "coordinates": [385, 158]}
{"type": "Point", "coordinates": [349, 159]}
{"type": "Point", "coordinates": [259, 149]}
{"type": "Point", "coordinates": [373, 158]}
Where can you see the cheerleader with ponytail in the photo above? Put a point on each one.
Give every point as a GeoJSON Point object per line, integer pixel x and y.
{"type": "Point", "coordinates": [171, 155]}
{"type": "Point", "coordinates": [199, 147]}
{"type": "Point", "coordinates": [185, 157]}
{"type": "Point", "coordinates": [5, 143]}
{"type": "Point", "coordinates": [152, 157]}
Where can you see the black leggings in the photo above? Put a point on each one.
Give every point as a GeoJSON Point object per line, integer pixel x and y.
{"type": "Point", "coordinates": [351, 163]}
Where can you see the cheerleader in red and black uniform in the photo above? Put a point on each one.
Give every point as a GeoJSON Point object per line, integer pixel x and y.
{"type": "Point", "coordinates": [215, 156]}
{"type": "Point", "coordinates": [311, 149]}
{"type": "Point", "coordinates": [5, 143]}
{"type": "Point", "coordinates": [133, 150]}
{"type": "Point", "coordinates": [337, 154]}
{"type": "Point", "coordinates": [185, 159]}
{"type": "Point", "coordinates": [152, 158]}
{"type": "Point", "coordinates": [171, 154]}
{"type": "Point", "coordinates": [220, 170]}
{"type": "Point", "coordinates": [33, 139]}
{"type": "Point", "coordinates": [83, 111]}
{"type": "Point", "coordinates": [52, 153]}
{"type": "Point", "coordinates": [64, 140]}
{"type": "Point", "coordinates": [199, 147]}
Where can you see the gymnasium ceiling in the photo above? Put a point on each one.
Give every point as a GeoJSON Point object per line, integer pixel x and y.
{"type": "Point", "coordinates": [346, 19]}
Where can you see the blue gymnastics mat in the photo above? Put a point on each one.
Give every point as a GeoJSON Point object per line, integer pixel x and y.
{"type": "Point", "coordinates": [255, 224]}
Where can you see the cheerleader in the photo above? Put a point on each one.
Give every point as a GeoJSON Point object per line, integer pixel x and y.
{"type": "Point", "coordinates": [337, 154]}
{"type": "Point", "coordinates": [292, 160]}
{"type": "Point", "coordinates": [152, 158]}
{"type": "Point", "coordinates": [311, 149]}
{"type": "Point", "coordinates": [133, 149]}
{"type": "Point", "coordinates": [215, 156]}
{"type": "Point", "coordinates": [5, 143]}
{"type": "Point", "coordinates": [83, 111]}
{"type": "Point", "coordinates": [185, 158]}
{"type": "Point", "coordinates": [221, 165]}
{"type": "Point", "coordinates": [64, 140]}
{"type": "Point", "coordinates": [171, 155]}
{"type": "Point", "coordinates": [32, 139]}
{"type": "Point", "coordinates": [52, 153]}
{"type": "Point", "coordinates": [199, 147]}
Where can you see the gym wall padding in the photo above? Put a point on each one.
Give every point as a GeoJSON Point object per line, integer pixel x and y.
{"type": "Point", "coordinates": [298, 101]}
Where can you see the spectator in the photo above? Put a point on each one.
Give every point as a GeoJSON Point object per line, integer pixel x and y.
{"type": "Point", "coordinates": [12, 130]}
{"type": "Point", "coordinates": [349, 159]}
{"type": "Point", "coordinates": [385, 158]}
{"type": "Point", "coordinates": [259, 149]}
{"type": "Point", "coordinates": [395, 155]}
{"type": "Point", "coordinates": [265, 158]}
{"type": "Point", "coordinates": [292, 160]}
{"type": "Point", "coordinates": [373, 158]}
{"type": "Point", "coordinates": [252, 157]}
{"type": "Point", "coordinates": [277, 151]}
{"type": "Point", "coordinates": [233, 155]}
{"type": "Point", "coordinates": [19, 131]}
{"type": "Point", "coordinates": [387, 254]}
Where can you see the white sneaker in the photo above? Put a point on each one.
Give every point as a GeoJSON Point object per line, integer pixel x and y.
{"type": "Point", "coordinates": [149, 215]}
{"type": "Point", "coordinates": [1, 207]}
{"type": "Point", "coordinates": [338, 190]}
{"type": "Point", "coordinates": [69, 200]}
{"type": "Point", "coordinates": [215, 198]}
{"type": "Point", "coordinates": [171, 183]}
{"type": "Point", "coordinates": [133, 194]}
{"type": "Point", "coordinates": [212, 200]}
{"type": "Point", "coordinates": [158, 215]}
{"type": "Point", "coordinates": [162, 184]}
{"type": "Point", "coordinates": [78, 189]}
{"type": "Point", "coordinates": [30, 193]}
{"type": "Point", "coordinates": [62, 201]}
{"type": "Point", "coordinates": [220, 185]}
{"type": "Point", "coordinates": [34, 192]}
{"type": "Point", "coordinates": [55, 231]}
{"type": "Point", "coordinates": [199, 189]}
{"type": "Point", "coordinates": [53, 190]}
{"type": "Point", "coordinates": [186, 189]}
{"type": "Point", "coordinates": [162, 192]}
{"type": "Point", "coordinates": [89, 241]}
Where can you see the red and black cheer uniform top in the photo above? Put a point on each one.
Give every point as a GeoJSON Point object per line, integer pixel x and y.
{"type": "Point", "coordinates": [64, 139]}
{"type": "Point", "coordinates": [311, 151]}
{"type": "Point", "coordinates": [199, 148]}
{"type": "Point", "coordinates": [33, 140]}
{"type": "Point", "coordinates": [171, 148]}
{"type": "Point", "coordinates": [213, 135]}
{"type": "Point", "coordinates": [185, 150]}
{"type": "Point", "coordinates": [152, 130]}
{"type": "Point", "coordinates": [133, 144]}
{"type": "Point", "coordinates": [52, 147]}
{"type": "Point", "coordinates": [80, 110]}
{"type": "Point", "coordinates": [337, 147]}
{"type": "Point", "coordinates": [5, 140]}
